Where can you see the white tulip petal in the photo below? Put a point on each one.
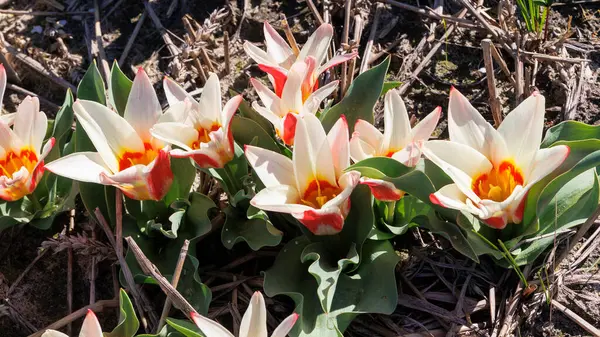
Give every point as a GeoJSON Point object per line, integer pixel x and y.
{"type": "Point", "coordinates": [546, 161]}
{"type": "Point", "coordinates": [425, 127]}
{"type": "Point", "coordinates": [317, 44]}
{"type": "Point", "coordinates": [80, 166]}
{"type": "Point", "coordinates": [304, 155]}
{"type": "Point", "coordinates": [268, 98]}
{"type": "Point", "coordinates": [272, 168]}
{"type": "Point", "coordinates": [177, 112]}
{"type": "Point", "coordinates": [258, 55]}
{"type": "Point", "coordinates": [9, 139]}
{"type": "Point", "coordinates": [8, 119]}
{"type": "Point", "coordinates": [209, 327]}
{"type": "Point", "coordinates": [409, 155]}
{"type": "Point", "coordinates": [312, 103]}
{"type": "Point", "coordinates": [286, 326]}
{"type": "Point", "coordinates": [30, 124]}
{"type": "Point", "coordinates": [282, 199]}
{"type": "Point", "coordinates": [268, 114]}
{"type": "Point", "coordinates": [229, 111]}
{"type": "Point", "coordinates": [522, 130]}
{"type": "Point", "coordinates": [460, 156]}
{"type": "Point", "coordinates": [91, 326]}
{"type": "Point", "coordinates": [347, 182]}
{"type": "Point", "coordinates": [291, 97]}
{"type": "Point", "coordinates": [338, 59]}
{"type": "Point", "coordinates": [175, 93]}
{"type": "Point", "coordinates": [254, 322]}
{"type": "Point", "coordinates": [210, 101]}
{"type": "Point", "coordinates": [2, 84]}
{"type": "Point", "coordinates": [467, 126]}
{"type": "Point", "coordinates": [338, 140]}
{"type": "Point", "coordinates": [53, 333]}
{"type": "Point", "coordinates": [178, 134]}
{"type": "Point", "coordinates": [460, 178]}
{"type": "Point", "coordinates": [323, 161]}
{"type": "Point", "coordinates": [450, 196]}
{"type": "Point", "coordinates": [397, 125]}
{"type": "Point", "coordinates": [143, 108]}
{"type": "Point", "coordinates": [110, 133]}
{"type": "Point", "coordinates": [277, 48]}
{"type": "Point", "coordinates": [368, 133]}
{"type": "Point", "coordinates": [359, 149]}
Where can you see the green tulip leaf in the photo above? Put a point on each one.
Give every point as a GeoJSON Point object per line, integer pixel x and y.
{"type": "Point", "coordinates": [387, 86]}
{"type": "Point", "coordinates": [128, 321]}
{"type": "Point", "coordinates": [248, 112]}
{"type": "Point", "coordinates": [327, 296]}
{"type": "Point", "coordinates": [361, 97]}
{"type": "Point", "coordinates": [119, 87]}
{"type": "Point", "coordinates": [91, 87]}
{"type": "Point", "coordinates": [245, 130]}
{"type": "Point", "coordinates": [188, 329]}
{"type": "Point", "coordinates": [253, 227]}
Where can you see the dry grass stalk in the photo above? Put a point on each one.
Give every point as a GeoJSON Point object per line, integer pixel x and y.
{"type": "Point", "coordinates": [486, 44]}
{"type": "Point", "coordinates": [174, 282]}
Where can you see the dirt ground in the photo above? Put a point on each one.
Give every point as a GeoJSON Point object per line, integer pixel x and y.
{"type": "Point", "coordinates": [64, 45]}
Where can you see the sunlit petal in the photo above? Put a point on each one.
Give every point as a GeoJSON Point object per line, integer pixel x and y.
{"type": "Point", "coordinates": [315, 99]}
{"type": "Point", "coordinates": [80, 166]}
{"type": "Point", "coordinates": [254, 322]}
{"type": "Point", "coordinates": [286, 326]}
{"type": "Point", "coordinates": [282, 198]}
{"type": "Point", "coordinates": [272, 168]}
{"type": "Point", "coordinates": [277, 48]}
{"type": "Point", "coordinates": [522, 130]}
{"type": "Point", "coordinates": [210, 101]}
{"type": "Point", "coordinates": [425, 127]}
{"type": "Point", "coordinates": [338, 139]}
{"type": "Point", "coordinates": [397, 125]}
{"type": "Point", "coordinates": [30, 124]}
{"type": "Point", "coordinates": [143, 108]}
{"type": "Point", "coordinates": [209, 327]}
{"type": "Point", "coordinates": [178, 134]}
{"type": "Point", "coordinates": [317, 44]}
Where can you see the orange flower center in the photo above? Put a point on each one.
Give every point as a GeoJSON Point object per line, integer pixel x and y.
{"type": "Point", "coordinates": [318, 193]}
{"type": "Point", "coordinates": [13, 162]}
{"type": "Point", "coordinates": [129, 158]}
{"type": "Point", "coordinates": [499, 183]}
{"type": "Point", "coordinates": [203, 135]}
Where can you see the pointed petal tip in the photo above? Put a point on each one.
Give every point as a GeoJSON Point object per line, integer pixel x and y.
{"type": "Point", "coordinates": [1, 67]}
{"type": "Point", "coordinates": [434, 200]}
{"type": "Point", "coordinates": [343, 117]}
{"type": "Point", "coordinates": [140, 70]}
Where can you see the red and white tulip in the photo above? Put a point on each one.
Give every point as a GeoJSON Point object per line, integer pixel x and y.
{"type": "Point", "coordinates": [128, 156]}
{"type": "Point", "coordinates": [312, 186]}
{"type": "Point", "coordinates": [254, 322]}
{"type": "Point", "coordinates": [204, 133]}
{"type": "Point", "coordinates": [284, 110]}
{"type": "Point", "coordinates": [89, 328]}
{"type": "Point", "coordinates": [493, 170]}
{"type": "Point", "coordinates": [279, 57]}
{"type": "Point", "coordinates": [399, 141]}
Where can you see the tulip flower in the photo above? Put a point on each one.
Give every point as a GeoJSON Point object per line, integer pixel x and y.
{"type": "Point", "coordinates": [128, 157]}
{"type": "Point", "coordinates": [254, 322]}
{"type": "Point", "coordinates": [89, 328]}
{"type": "Point", "coordinates": [493, 170]}
{"type": "Point", "coordinates": [279, 57]}
{"type": "Point", "coordinates": [7, 118]}
{"type": "Point", "coordinates": [21, 152]}
{"type": "Point", "coordinates": [205, 133]}
{"type": "Point", "coordinates": [399, 141]}
{"type": "Point", "coordinates": [312, 186]}
{"type": "Point", "coordinates": [283, 111]}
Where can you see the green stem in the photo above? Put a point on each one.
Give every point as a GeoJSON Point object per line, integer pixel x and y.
{"type": "Point", "coordinates": [512, 261]}
{"type": "Point", "coordinates": [390, 212]}
{"type": "Point", "coordinates": [37, 206]}
{"type": "Point", "coordinates": [231, 177]}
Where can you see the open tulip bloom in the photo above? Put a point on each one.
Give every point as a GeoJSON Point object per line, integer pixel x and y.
{"type": "Point", "coordinates": [283, 111]}
{"type": "Point", "coordinates": [204, 134]}
{"type": "Point", "coordinates": [21, 152]}
{"type": "Point", "coordinates": [493, 170]}
{"type": "Point", "coordinates": [128, 157]}
{"type": "Point", "coordinates": [399, 141]}
{"type": "Point", "coordinates": [254, 322]}
{"type": "Point", "coordinates": [279, 57]}
{"type": "Point", "coordinates": [89, 328]}
{"type": "Point", "coordinates": [312, 186]}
